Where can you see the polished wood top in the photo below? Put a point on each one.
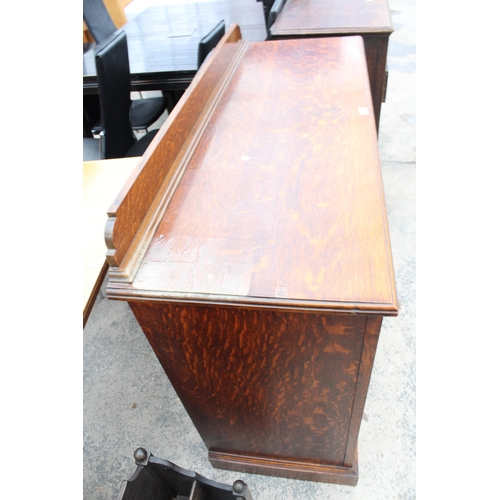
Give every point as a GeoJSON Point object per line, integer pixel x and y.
{"type": "Point", "coordinates": [281, 203]}
{"type": "Point", "coordinates": [102, 181]}
{"type": "Point", "coordinates": [333, 16]}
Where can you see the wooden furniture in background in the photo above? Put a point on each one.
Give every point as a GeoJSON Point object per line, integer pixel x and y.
{"type": "Point", "coordinates": [253, 249]}
{"type": "Point", "coordinates": [370, 19]}
{"type": "Point", "coordinates": [102, 181]}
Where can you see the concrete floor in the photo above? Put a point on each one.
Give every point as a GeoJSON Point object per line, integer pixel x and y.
{"type": "Point", "coordinates": [128, 401]}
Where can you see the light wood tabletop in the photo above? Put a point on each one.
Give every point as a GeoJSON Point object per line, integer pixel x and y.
{"type": "Point", "coordinates": [102, 181]}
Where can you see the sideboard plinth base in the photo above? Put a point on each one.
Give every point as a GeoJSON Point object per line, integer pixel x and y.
{"type": "Point", "coordinates": [286, 468]}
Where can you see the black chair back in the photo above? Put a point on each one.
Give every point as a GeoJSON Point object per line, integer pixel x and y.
{"type": "Point", "coordinates": [273, 14]}
{"type": "Point", "coordinates": [113, 80]}
{"type": "Point", "coordinates": [98, 20]}
{"type": "Point", "coordinates": [208, 42]}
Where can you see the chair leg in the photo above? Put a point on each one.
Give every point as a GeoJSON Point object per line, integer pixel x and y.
{"type": "Point", "coordinates": [172, 97]}
{"type": "Point", "coordinates": [91, 112]}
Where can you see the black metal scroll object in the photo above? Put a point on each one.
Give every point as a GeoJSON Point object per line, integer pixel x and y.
{"type": "Point", "coordinates": [156, 479]}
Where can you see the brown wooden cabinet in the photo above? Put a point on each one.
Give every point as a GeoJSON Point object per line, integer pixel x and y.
{"type": "Point", "coordinates": [253, 249]}
{"type": "Point", "coordinates": [370, 19]}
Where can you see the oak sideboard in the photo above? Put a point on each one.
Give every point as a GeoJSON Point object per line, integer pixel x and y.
{"type": "Point", "coordinates": [253, 249]}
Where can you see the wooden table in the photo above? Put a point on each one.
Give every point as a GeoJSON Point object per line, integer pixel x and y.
{"type": "Point", "coordinates": [102, 181]}
{"type": "Point", "coordinates": [370, 19]}
{"type": "Point", "coordinates": [163, 42]}
{"type": "Point", "coordinates": [253, 249]}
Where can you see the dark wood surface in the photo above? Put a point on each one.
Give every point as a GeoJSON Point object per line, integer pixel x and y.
{"type": "Point", "coordinates": [268, 389]}
{"type": "Point", "coordinates": [291, 208]}
{"type": "Point", "coordinates": [333, 16]}
{"type": "Point", "coordinates": [254, 251]}
{"type": "Point", "coordinates": [163, 41]}
{"type": "Point", "coordinates": [370, 19]}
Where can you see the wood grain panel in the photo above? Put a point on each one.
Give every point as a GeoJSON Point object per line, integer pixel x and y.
{"type": "Point", "coordinates": [287, 468]}
{"type": "Point", "coordinates": [319, 18]}
{"type": "Point", "coordinates": [267, 383]}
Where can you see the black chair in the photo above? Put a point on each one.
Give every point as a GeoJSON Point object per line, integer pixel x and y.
{"type": "Point", "coordinates": [98, 20]}
{"type": "Point", "coordinates": [273, 14]}
{"type": "Point", "coordinates": [209, 42]}
{"type": "Point", "coordinates": [113, 80]}
{"type": "Point", "coordinates": [100, 25]}
{"type": "Point", "coordinates": [205, 46]}
{"type": "Point", "coordinates": [144, 112]}
{"type": "Point", "coordinates": [266, 7]}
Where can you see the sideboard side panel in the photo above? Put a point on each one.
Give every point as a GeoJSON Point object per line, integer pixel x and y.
{"type": "Point", "coordinates": [372, 332]}
{"type": "Point", "coordinates": [266, 383]}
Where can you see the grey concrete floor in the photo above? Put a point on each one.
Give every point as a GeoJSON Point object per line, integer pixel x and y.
{"type": "Point", "coordinates": [128, 401]}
